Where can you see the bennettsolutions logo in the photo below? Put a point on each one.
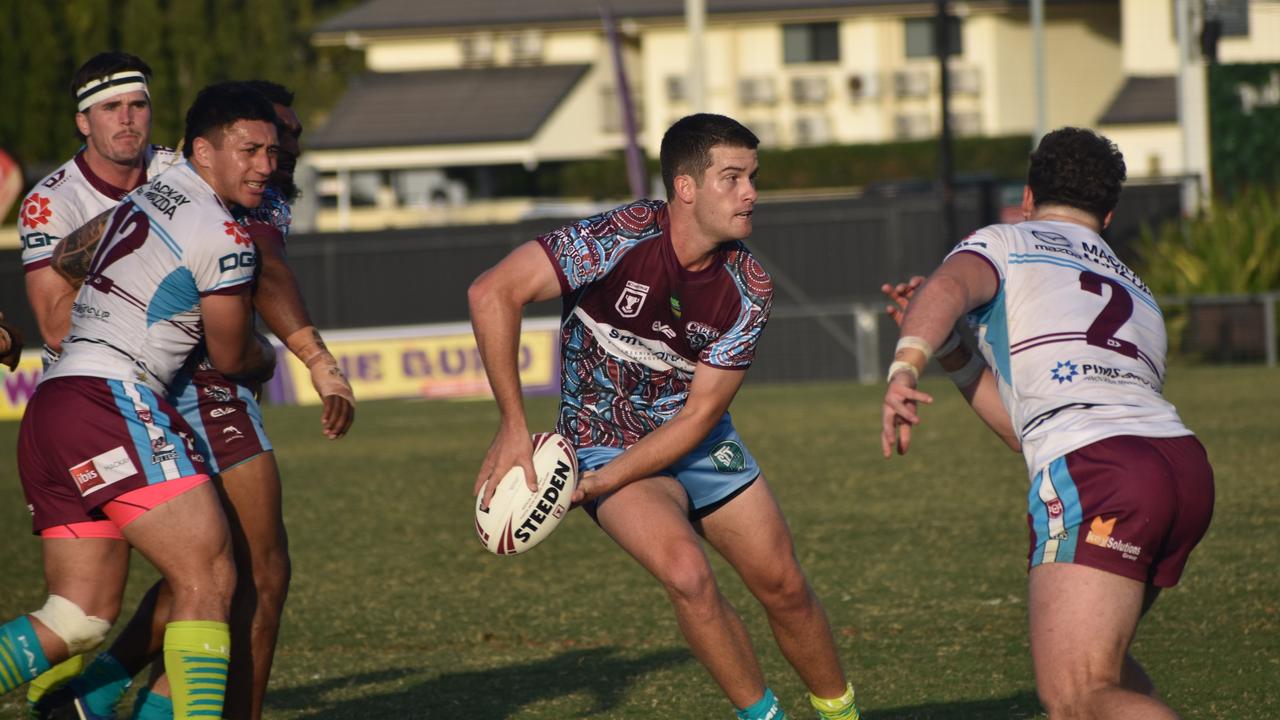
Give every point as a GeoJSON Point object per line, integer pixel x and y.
{"type": "Point", "coordinates": [1100, 534]}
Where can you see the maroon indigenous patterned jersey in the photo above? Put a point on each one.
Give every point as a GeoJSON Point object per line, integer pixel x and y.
{"type": "Point", "coordinates": [637, 323]}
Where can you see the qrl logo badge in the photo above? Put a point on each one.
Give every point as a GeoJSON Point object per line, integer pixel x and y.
{"type": "Point", "coordinates": [631, 299]}
{"type": "Point", "coordinates": [728, 457]}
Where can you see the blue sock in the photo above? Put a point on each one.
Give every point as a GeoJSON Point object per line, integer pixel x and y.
{"type": "Point", "coordinates": [102, 684]}
{"type": "Point", "coordinates": [766, 708]}
{"type": "Point", "coordinates": [21, 656]}
{"type": "Point", "coordinates": [150, 706]}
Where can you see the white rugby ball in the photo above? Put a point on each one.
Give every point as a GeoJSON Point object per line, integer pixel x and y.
{"type": "Point", "coordinates": [518, 519]}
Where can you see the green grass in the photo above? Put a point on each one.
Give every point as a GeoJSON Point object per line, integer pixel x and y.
{"type": "Point", "coordinates": [396, 610]}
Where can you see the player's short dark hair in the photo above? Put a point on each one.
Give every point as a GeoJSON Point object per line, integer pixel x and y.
{"type": "Point", "coordinates": [104, 64]}
{"type": "Point", "coordinates": [1078, 168]}
{"type": "Point", "coordinates": [221, 105]}
{"type": "Point", "coordinates": [273, 91]}
{"type": "Point", "coordinates": [686, 146]}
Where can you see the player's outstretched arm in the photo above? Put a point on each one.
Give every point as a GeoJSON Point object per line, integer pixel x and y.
{"type": "Point", "coordinates": [972, 377]}
{"type": "Point", "coordinates": [710, 394]}
{"type": "Point", "coordinates": [279, 302]}
{"type": "Point", "coordinates": [497, 299]}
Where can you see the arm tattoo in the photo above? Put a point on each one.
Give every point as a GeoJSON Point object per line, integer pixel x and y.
{"type": "Point", "coordinates": [73, 255]}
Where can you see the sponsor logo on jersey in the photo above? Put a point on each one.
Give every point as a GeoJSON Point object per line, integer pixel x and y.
{"type": "Point", "coordinates": [1103, 373]}
{"type": "Point", "coordinates": [165, 198]}
{"type": "Point", "coordinates": [55, 179]}
{"type": "Point", "coordinates": [35, 240]}
{"type": "Point", "coordinates": [1064, 371]}
{"type": "Point", "coordinates": [675, 307]}
{"type": "Point", "coordinates": [1052, 238]}
{"type": "Point", "coordinates": [144, 415]}
{"type": "Point", "coordinates": [231, 261]}
{"type": "Point", "coordinates": [663, 328]}
{"type": "Point", "coordinates": [102, 470]}
{"type": "Point", "coordinates": [162, 450]}
{"type": "Point", "coordinates": [631, 299]}
{"type": "Point", "coordinates": [218, 393]}
{"type": "Point", "coordinates": [237, 233]}
{"type": "Point", "coordinates": [221, 412]}
{"type": "Point", "coordinates": [967, 243]}
{"type": "Point", "coordinates": [728, 457]}
{"type": "Point", "coordinates": [1100, 534]}
{"type": "Point", "coordinates": [35, 211]}
{"type": "Point", "coordinates": [1054, 507]}
{"type": "Point", "coordinates": [699, 334]}
{"type": "Point", "coordinates": [234, 432]}
{"type": "Point", "coordinates": [89, 311]}
{"type": "Point", "coordinates": [1098, 255]}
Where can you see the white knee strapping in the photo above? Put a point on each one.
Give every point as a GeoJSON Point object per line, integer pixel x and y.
{"type": "Point", "coordinates": [79, 631]}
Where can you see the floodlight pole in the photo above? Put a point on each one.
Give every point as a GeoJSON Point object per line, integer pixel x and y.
{"type": "Point", "coordinates": [695, 18]}
{"type": "Point", "coordinates": [942, 46]}
{"type": "Point", "coordinates": [1192, 112]}
{"type": "Point", "coordinates": [1037, 49]}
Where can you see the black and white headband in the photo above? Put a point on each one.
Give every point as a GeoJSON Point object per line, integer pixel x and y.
{"type": "Point", "coordinates": [95, 91]}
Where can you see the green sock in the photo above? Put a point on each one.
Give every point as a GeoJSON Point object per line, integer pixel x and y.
{"type": "Point", "coordinates": [150, 706]}
{"type": "Point", "coordinates": [844, 707]}
{"type": "Point", "coordinates": [196, 654]}
{"type": "Point", "coordinates": [21, 656]}
{"type": "Point", "coordinates": [102, 684]}
{"type": "Point", "coordinates": [54, 678]}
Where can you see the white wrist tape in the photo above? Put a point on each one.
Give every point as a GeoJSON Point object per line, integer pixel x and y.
{"type": "Point", "coordinates": [65, 619]}
{"type": "Point", "coordinates": [969, 374]}
{"type": "Point", "coordinates": [950, 344]}
{"type": "Point", "coordinates": [902, 366]}
{"type": "Point", "coordinates": [915, 343]}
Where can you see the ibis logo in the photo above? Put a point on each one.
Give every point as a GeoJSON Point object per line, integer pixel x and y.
{"type": "Point", "coordinates": [1100, 534]}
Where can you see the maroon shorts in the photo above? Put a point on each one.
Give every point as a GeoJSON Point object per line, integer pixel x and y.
{"type": "Point", "coordinates": [85, 441]}
{"type": "Point", "coordinates": [1133, 506]}
{"type": "Point", "coordinates": [226, 417]}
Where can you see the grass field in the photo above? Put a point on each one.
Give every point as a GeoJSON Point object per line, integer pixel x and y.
{"type": "Point", "coordinates": [396, 611]}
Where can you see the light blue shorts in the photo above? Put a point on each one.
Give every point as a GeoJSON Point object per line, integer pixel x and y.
{"type": "Point", "coordinates": [713, 473]}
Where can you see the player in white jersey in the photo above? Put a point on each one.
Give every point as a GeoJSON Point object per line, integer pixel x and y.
{"type": "Point", "coordinates": [1071, 371]}
{"type": "Point", "coordinates": [99, 448]}
{"type": "Point", "coordinates": [113, 115]}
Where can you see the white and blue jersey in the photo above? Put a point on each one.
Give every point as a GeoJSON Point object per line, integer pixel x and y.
{"type": "Point", "coordinates": [1074, 337]}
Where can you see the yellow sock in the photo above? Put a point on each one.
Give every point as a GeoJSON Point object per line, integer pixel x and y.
{"type": "Point", "coordinates": [196, 654]}
{"type": "Point", "coordinates": [844, 707]}
{"type": "Point", "coordinates": [54, 678]}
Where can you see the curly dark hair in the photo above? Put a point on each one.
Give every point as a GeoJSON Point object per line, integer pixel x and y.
{"type": "Point", "coordinates": [222, 105]}
{"type": "Point", "coordinates": [1078, 168]}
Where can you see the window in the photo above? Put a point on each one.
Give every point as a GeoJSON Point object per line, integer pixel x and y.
{"type": "Point", "coordinates": [810, 42]}
{"type": "Point", "coordinates": [919, 35]}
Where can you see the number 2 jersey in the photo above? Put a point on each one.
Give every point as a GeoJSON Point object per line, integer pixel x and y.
{"type": "Point", "coordinates": [637, 323]}
{"type": "Point", "coordinates": [168, 244]}
{"type": "Point", "coordinates": [1074, 337]}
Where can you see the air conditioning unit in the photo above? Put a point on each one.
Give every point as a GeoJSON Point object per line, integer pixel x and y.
{"type": "Point", "coordinates": [757, 91]}
{"type": "Point", "coordinates": [526, 47]}
{"type": "Point", "coordinates": [677, 88]}
{"type": "Point", "coordinates": [966, 124]}
{"type": "Point", "coordinates": [765, 130]}
{"type": "Point", "coordinates": [864, 86]}
{"type": "Point", "coordinates": [911, 83]}
{"type": "Point", "coordinates": [912, 126]}
{"type": "Point", "coordinates": [966, 81]}
{"type": "Point", "coordinates": [812, 130]}
{"type": "Point", "coordinates": [809, 89]}
{"type": "Point", "coordinates": [477, 49]}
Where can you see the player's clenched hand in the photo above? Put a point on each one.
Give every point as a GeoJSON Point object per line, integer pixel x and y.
{"type": "Point", "coordinates": [590, 487]}
{"type": "Point", "coordinates": [339, 413]}
{"type": "Point", "coordinates": [511, 447]}
{"type": "Point", "coordinates": [10, 344]}
{"type": "Point", "coordinates": [898, 414]}
{"type": "Point", "coordinates": [901, 294]}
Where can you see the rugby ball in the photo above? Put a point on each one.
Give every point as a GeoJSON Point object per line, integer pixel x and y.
{"type": "Point", "coordinates": [517, 519]}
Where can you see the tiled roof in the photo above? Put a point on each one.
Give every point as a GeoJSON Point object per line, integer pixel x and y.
{"type": "Point", "coordinates": [442, 107]}
{"type": "Point", "coordinates": [1144, 100]}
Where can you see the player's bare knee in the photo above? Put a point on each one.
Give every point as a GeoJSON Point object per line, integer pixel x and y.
{"type": "Point", "coordinates": [688, 578]}
{"type": "Point", "coordinates": [80, 631]}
